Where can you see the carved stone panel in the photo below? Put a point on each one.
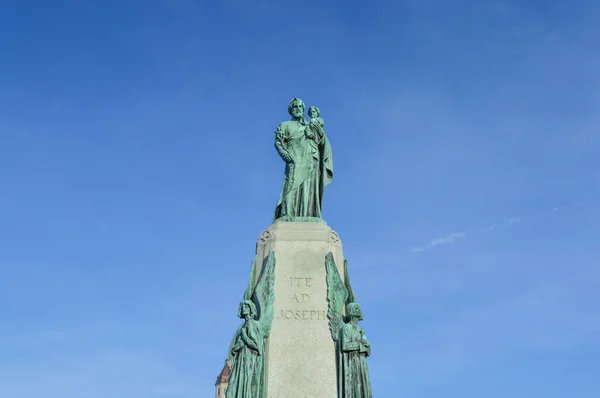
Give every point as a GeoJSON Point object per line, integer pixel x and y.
{"type": "Point", "coordinates": [334, 238]}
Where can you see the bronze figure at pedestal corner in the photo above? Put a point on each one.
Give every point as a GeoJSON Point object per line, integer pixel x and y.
{"type": "Point", "coordinates": [247, 349]}
{"type": "Point", "coordinates": [352, 346]}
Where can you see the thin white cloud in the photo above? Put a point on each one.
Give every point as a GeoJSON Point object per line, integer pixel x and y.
{"type": "Point", "coordinates": [493, 227]}
{"type": "Point", "coordinates": [453, 237]}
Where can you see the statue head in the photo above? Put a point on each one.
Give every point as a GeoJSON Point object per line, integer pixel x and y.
{"type": "Point", "coordinates": [313, 112]}
{"type": "Point", "coordinates": [296, 109]}
{"type": "Point", "coordinates": [247, 309]}
{"type": "Point", "coordinates": [353, 311]}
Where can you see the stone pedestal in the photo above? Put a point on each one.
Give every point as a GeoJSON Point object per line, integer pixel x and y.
{"type": "Point", "coordinates": [300, 360]}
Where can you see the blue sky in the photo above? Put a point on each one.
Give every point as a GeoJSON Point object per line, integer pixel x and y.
{"type": "Point", "coordinates": [137, 170]}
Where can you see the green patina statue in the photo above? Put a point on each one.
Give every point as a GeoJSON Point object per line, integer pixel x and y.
{"type": "Point", "coordinates": [352, 347]}
{"type": "Point", "coordinates": [308, 164]}
{"type": "Point", "coordinates": [246, 357]}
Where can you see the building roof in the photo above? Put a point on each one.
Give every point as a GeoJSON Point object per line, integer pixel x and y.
{"type": "Point", "coordinates": [224, 375]}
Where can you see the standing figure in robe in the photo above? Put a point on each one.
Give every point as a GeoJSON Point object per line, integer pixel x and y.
{"type": "Point", "coordinates": [306, 151]}
{"type": "Point", "coordinates": [247, 353]}
{"type": "Point", "coordinates": [354, 350]}
{"type": "Point", "coordinates": [352, 346]}
{"type": "Point", "coordinates": [246, 357]}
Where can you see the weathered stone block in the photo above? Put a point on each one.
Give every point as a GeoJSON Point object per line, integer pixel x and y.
{"type": "Point", "coordinates": [301, 360]}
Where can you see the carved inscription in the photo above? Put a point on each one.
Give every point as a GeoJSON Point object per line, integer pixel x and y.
{"type": "Point", "coordinates": [303, 315]}
{"type": "Point", "coordinates": [300, 282]}
{"type": "Point", "coordinates": [300, 295]}
{"type": "Point", "coordinates": [298, 298]}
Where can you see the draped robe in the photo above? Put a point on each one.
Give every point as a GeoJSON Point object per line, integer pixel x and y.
{"type": "Point", "coordinates": [309, 168]}
{"type": "Point", "coordinates": [247, 353]}
{"type": "Point", "coordinates": [353, 373]}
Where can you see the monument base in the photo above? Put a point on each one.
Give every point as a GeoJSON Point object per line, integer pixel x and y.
{"type": "Point", "coordinates": [300, 353]}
